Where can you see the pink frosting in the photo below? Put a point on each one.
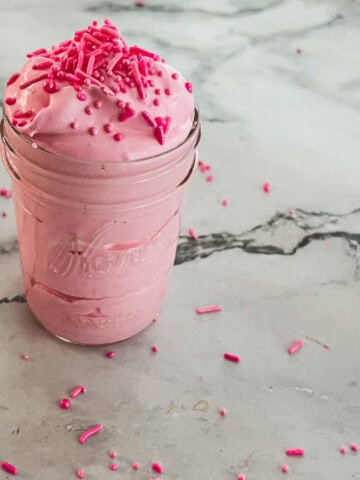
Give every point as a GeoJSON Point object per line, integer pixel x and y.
{"type": "Point", "coordinates": [133, 105]}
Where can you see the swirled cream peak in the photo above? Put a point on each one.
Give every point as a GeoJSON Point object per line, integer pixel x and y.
{"type": "Point", "coordinates": [96, 98]}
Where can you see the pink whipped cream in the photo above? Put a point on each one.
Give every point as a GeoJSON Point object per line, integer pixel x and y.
{"type": "Point", "coordinates": [96, 98]}
{"type": "Point", "coordinates": [97, 232]}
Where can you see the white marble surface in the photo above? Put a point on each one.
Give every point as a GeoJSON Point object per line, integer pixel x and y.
{"type": "Point", "coordinates": [268, 115]}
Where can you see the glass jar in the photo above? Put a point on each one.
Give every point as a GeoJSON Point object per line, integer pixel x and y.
{"type": "Point", "coordinates": [97, 240]}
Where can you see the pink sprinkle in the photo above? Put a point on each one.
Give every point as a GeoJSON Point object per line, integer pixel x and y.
{"type": "Point", "coordinates": [299, 51]}
{"type": "Point", "coordinates": [65, 404]}
{"type": "Point", "coordinates": [118, 137]}
{"type": "Point", "coordinates": [231, 357]}
{"type": "Point", "coordinates": [225, 203]}
{"type": "Point", "coordinates": [113, 454]}
{"type": "Point", "coordinates": [136, 466]}
{"type": "Point", "coordinates": [159, 134]}
{"type": "Point", "coordinates": [174, 76]}
{"type": "Point", "coordinates": [154, 349]}
{"type": "Point", "coordinates": [13, 79]}
{"type": "Point", "coordinates": [157, 468]}
{"type": "Point", "coordinates": [126, 115]}
{"type": "Point", "coordinates": [212, 308]}
{"type": "Point", "coordinates": [75, 392]}
{"type": "Point", "coordinates": [137, 78]}
{"type": "Point", "coordinates": [166, 124]}
{"type": "Point", "coordinates": [241, 476]}
{"type": "Point", "coordinates": [74, 125]}
{"type": "Point", "coordinates": [89, 111]}
{"type": "Point", "coordinates": [143, 67]}
{"type": "Point", "coordinates": [139, 3]}
{"type": "Point", "coordinates": [210, 178]}
{"type": "Point", "coordinates": [223, 412]}
{"type": "Point", "coordinates": [295, 347]}
{"type": "Point", "coordinates": [266, 187]}
{"type": "Point", "coordinates": [36, 52]}
{"type": "Point", "coordinates": [110, 354]}
{"type": "Point", "coordinates": [149, 118]}
{"type": "Point", "coordinates": [34, 80]}
{"type": "Point", "coordinates": [22, 123]}
{"type": "Point", "coordinates": [108, 127]}
{"type": "Point", "coordinates": [93, 131]}
{"type": "Point", "coordinates": [284, 468]}
{"type": "Point", "coordinates": [42, 65]}
{"type": "Point", "coordinates": [80, 473]}
{"type": "Point", "coordinates": [50, 86]}
{"type": "Point", "coordinates": [168, 91]}
{"type": "Point", "coordinates": [157, 91]}
{"type": "Point", "coordinates": [354, 447]}
{"type": "Point", "coordinates": [89, 433]}
{"type": "Point", "coordinates": [4, 214]}
{"type": "Point", "coordinates": [114, 466]}
{"type": "Point", "coordinates": [135, 49]}
{"type": "Point", "coordinates": [295, 452]}
{"type": "Point", "coordinates": [188, 86]}
{"type": "Point", "coordinates": [343, 450]}
{"type": "Point", "coordinates": [81, 97]}
{"type": "Point", "coordinates": [10, 101]}
{"type": "Point", "coordinates": [9, 468]}
{"type": "Point", "coordinates": [24, 356]}
{"type": "Point", "coordinates": [156, 102]}
{"type": "Point", "coordinates": [98, 104]}
{"type": "Point", "coordinates": [193, 234]}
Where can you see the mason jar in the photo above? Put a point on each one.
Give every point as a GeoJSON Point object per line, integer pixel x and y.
{"type": "Point", "coordinates": [97, 239]}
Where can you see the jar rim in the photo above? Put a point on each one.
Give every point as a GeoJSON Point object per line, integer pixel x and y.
{"type": "Point", "coordinates": [194, 128]}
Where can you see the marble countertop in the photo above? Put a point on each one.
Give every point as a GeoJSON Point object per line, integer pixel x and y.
{"type": "Point", "coordinates": [284, 265]}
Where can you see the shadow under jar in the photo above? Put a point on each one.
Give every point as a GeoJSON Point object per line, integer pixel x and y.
{"type": "Point", "coordinates": [97, 240]}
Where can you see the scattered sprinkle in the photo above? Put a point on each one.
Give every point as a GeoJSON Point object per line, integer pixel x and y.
{"type": "Point", "coordinates": [13, 78]}
{"type": "Point", "coordinates": [241, 476]}
{"type": "Point", "coordinates": [157, 467]}
{"type": "Point", "coordinates": [5, 192]}
{"type": "Point", "coordinates": [299, 51]}
{"type": "Point", "coordinates": [188, 86]}
{"type": "Point", "coordinates": [89, 111]}
{"type": "Point", "coordinates": [81, 97]}
{"type": "Point", "coordinates": [113, 454]}
{"type": "Point", "coordinates": [284, 468]}
{"type": "Point", "coordinates": [266, 187]}
{"type": "Point", "coordinates": [156, 102]}
{"type": "Point", "coordinates": [65, 404]}
{"type": "Point", "coordinates": [80, 473]}
{"type": "Point", "coordinates": [74, 125]}
{"type": "Point", "coordinates": [295, 347]}
{"type": "Point", "coordinates": [231, 357]}
{"type": "Point", "coordinates": [136, 466]}
{"type": "Point", "coordinates": [108, 127]}
{"type": "Point", "coordinates": [342, 450]}
{"type": "Point", "coordinates": [139, 3]}
{"type": "Point", "coordinates": [9, 468]}
{"type": "Point", "coordinates": [223, 412]}
{"type": "Point", "coordinates": [193, 234]}
{"type": "Point", "coordinates": [210, 178]}
{"type": "Point", "coordinates": [4, 214]}
{"type": "Point", "coordinates": [25, 356]}
{"type": "Point", "coordinates": [155, 349]}
{"type": "Point", "coordinates": [75, 392]}
{"type": "Point", "coordinates": [295, 452]}
{"type": "Point", "coordinates": [210, 309]}
{"type": "Point", "coordinates": [354, 447]}
{"type": "Point", "coordinates": [93, 131]}
{"type": "Point", "coordinates": [110, 354]}
{"type": "Point", "coordinates": [114, 466]}
{"type": "Point", "coordinates": [118, 137]}
{"type": "Point", "coordinates": [10, 101]}
{"type": "Point", "coordinates": [174, 76]}
{"type": "Point", "coordinates": [225, 203]}
{"type": "Point", "coordinates": [89, 433]}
